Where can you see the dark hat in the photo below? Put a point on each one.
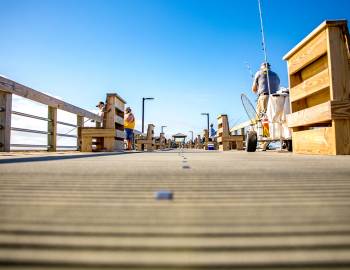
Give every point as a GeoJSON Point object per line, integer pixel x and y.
{"type": "Point", "coordinates": [100, 103]}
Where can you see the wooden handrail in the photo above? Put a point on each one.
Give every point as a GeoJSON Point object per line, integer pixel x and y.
{"type": "Point", "coordinates": [240, 126]}
{"type": "Point", "coordinates": [18, 89]}
{"type": "Point", "coordinates": [9, 87]}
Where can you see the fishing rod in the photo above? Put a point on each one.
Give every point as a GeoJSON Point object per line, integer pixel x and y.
{"type": "Point", "coordinates": [264, 44]}
{"type": "Point", "coordinates": [72, 130]}
{"type": "Point", "coordinates": [232, 123]}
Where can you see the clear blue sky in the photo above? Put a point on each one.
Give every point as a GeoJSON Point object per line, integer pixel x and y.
{"type": "Point", "coordinates": [189, 55]}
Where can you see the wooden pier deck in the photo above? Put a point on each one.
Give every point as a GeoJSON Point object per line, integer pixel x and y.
{"type": "Point", "coordinates": [231, 210]}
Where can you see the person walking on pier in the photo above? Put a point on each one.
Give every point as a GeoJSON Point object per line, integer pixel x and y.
{"type": "Point", "coordinates": [212, 133]}
{"type": "Point", "coordinates": [129, 125]}
{"type": "Point", "coordinates": [264, 78]}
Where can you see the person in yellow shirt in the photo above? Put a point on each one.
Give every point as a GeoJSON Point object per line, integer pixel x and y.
{"type": "Point", "coordinates": [129, 125]}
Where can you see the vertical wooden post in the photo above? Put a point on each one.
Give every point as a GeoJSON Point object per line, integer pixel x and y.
{"type": "Point", "coordinates": [5, 121]}
{"type": "Point", "coordinates": [339, 71]}
{"type": "Point", "coordinates": [109, 115]}
{"type": "Point", "coordinates": [80, 124]}
{"type": "Point", "coordinates": [52, 129]}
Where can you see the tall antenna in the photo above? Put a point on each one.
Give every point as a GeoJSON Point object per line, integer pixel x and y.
{"type": "Point", "coordinates": [264, 44]}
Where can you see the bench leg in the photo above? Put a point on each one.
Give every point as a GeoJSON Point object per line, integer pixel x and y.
{"type": "Point", "coordinates": [86, 145]}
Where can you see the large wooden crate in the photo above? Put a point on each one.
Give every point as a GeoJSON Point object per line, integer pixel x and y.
{"type": "Point", "coordinates": [96, 139]}
{"type": "Point", "coordinates": [319, 80]}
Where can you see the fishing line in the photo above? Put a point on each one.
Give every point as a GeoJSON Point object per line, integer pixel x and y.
{"type": "Point", "coordinates": [71, 130]}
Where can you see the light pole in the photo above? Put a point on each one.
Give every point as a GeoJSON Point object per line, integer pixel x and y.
{"type": "Point", "coordinates": [162, 129]}
{"type": "Point", "coordinates": [143, 111]}
{"type": "Point", "coordinates": [207, 114]}
{"type": "Point", "coordinates": [191, 134]}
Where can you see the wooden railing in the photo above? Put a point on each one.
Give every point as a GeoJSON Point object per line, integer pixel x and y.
{"type": "Point", "coordinates": [8, 88]}
{"type": "Point", "coordinates": [239, 129]}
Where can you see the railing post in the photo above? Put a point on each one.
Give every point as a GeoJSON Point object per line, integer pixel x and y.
{"type": "Point", "coordinates": [80, 123]}
{"type": "Point", "coordinates": [52, 129]}
{"type": "Point", "coordinates": [5, 121]}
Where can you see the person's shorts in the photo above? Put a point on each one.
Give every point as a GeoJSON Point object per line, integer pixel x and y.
{"type": "Point", "coordinates": [129, 134]}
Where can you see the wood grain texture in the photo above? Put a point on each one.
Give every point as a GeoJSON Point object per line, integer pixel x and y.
{"type": "Point", "coordinates": [307, 54]}
{"type": "Point", "coordinates": [319, 141]}
{"type": "Point", "coordinates": [98, 132]}
{"type": "Point", "coordinates": [309, 116]}
{"type": "Point", "coordinates": [315, 32]}
{"type": "Point", "coordinates": [327, 111]}
{"type": "Point", "coordinates": [314, 68]}
{"type": "Point", "coordinates": [342, 135]}
{"type": "Point", "coordinates": [338, 57]}
{"type": "Point", "coordinates": [310, 86]}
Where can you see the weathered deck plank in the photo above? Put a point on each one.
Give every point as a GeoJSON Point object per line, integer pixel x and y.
{"type": "Point", "coordinates": [231, 210]}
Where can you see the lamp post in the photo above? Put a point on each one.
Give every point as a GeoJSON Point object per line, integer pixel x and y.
{"type": "Point", "coordinates": [143, 111]}
{"type": "Point", "coordinates": [207, 114]}
{"type": "Point", "coordinates": [191, 134]}
{"type": "Point", "coordinates": [162, 128]}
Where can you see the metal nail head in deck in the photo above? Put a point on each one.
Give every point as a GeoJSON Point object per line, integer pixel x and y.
{"type": "Point", "coordinates": [164, 195]}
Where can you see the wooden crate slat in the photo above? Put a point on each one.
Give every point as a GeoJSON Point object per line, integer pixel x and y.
{"type": "Point", "coordinates": [310, 86]}
{"type": "Point", "coordinates": [97, 132]}
{"type": "Point", "coordinates": [119, 105]}
{"type": "Point", "coordinates": [320, 113]}
{"type": "Point", "coordinates": [315, 32]}
{"type": "Point", "coordinates": [119, 120]}
{"type": "Point", "coordinates": [119, 133]}
{"type": "Point", "coordinates": [308, 53]}
{"type": "Point", "coordinates": [233, 138]}
{"type": "Point", "coordinates": [315, 141]}
{"type": "Point", "coordinates": [313, 115]}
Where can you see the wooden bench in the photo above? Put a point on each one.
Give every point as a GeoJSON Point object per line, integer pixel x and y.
{"type": "Point", "coordinates": [101, 138]}
{"type": "Point", "coordinates": [160, 143]}
{"type": "Point", "coordinates": [148, 142]}
{"type": "Point", "coordinates": [110, 137]}
{"type": "Point", "coordinates": [198, 142]}
{"type": "Point", "coordinates": [225, 140]}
